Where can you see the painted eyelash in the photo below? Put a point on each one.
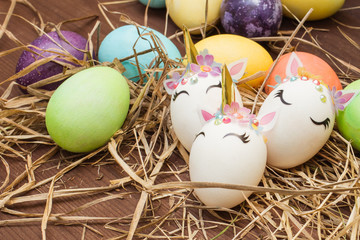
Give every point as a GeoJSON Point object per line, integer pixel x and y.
{"type": "Point", "coordinates": [213, 86]}
{"type": "Point", "coordinates": [279, 94]}
{"type": "Point", "coordinates": [326, 122]}
{"type": "Point", "coordinates": [176, 94]}
{"type": "Point", "coordinates": [200, 133]}
{"type": "Point", "coordinates": [244, 138]}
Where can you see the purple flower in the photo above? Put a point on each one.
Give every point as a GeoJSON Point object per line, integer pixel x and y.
{"type": "Point", "coordinates": [341, 98]}
{"type": "Point", "coordinates": [206, 66]}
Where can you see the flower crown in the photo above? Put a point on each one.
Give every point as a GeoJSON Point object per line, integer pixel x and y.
{"type": "Point", "coordinates": [338, 98]}
{"type": "Point", "coordinates": [206, 66]}
{"type": "Point", "coordinates": [240, 115]}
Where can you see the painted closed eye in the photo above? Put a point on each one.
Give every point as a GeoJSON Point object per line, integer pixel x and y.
{"type": "Point", "coordinates": [176, 94]}
{"type": "Point", "coordinates": [213, 86]}
{"type": "Point", "coordinates": [325, 123]}
{"type": "Point", "coordinates": [279, 94]}
{"type": "Point", "coordinates": [243, 137]}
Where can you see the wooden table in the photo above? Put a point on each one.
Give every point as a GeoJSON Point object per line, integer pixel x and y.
{"type": "Point", "coordinates": [118, 204]}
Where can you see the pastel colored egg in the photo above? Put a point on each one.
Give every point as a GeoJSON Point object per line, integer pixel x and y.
{"type": "Point", "coordinates": [321, 8]}
{"type": "Point", "coordinates": [87, 109]}
{"type": "Point", "coordinates": [228, 48]}
{"type": "Point", "coordinates": [348, 121]}
{"type": "Point", "coordinates": [312, 64]}
{"type": "Point", "coordinates": [121, 42]}
{"type": "Point", "coordinates": [250, 18]}
{"type": "Point", "coordinates": [47, 45]}
{"type": "Point", "coordinates": [192, 13]}
{"type": "Point", "coordinates": [154, 3]}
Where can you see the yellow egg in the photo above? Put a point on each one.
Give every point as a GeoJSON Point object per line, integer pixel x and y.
{"type": "Point", "coordinates": [227, 48]}
{"type": "Point", "coordinates": [321, 8]}
{"type": "Point", "coordinates": [191, 13]}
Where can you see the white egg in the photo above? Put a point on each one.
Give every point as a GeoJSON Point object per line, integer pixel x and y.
{"type": "Point", "coordinates": [197, 90]}
{"type": "Point", "coordinates": [226, 151]}
{"type": "Point", "coordinates": [306, 117]}
{"type": "Point", "coordinates": [304, 125]}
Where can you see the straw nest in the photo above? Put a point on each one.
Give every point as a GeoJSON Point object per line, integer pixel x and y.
{"type": "Point", "coordinates": [317, 200]}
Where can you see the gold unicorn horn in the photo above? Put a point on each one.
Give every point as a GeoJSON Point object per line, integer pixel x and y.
{"type": "Point", "coordinates": [190, 49]}
{"type": "Point", "coordinates": [228, 90]}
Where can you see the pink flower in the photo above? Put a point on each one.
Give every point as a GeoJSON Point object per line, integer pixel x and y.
{"type": "Point", "coordinates": [206, 66]}
{"type": "Point", "coordinates": [241, 114]}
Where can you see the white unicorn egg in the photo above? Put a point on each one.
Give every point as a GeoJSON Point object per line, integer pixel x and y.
{"type": "Point", "coordinates": [199, 88]}
{"type": "Point", "coordinates": [306, 118]}
{"type": "Point", "coordinates": [232, 151]}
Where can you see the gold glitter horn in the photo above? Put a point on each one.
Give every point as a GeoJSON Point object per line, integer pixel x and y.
{"type": "Point", "coordinates": [190, 49]}
{"type": "Point", "coordinates": [228, 90]}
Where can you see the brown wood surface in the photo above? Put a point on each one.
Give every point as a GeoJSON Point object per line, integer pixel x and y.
{"type": "Point", "coordinates": [326, 32]}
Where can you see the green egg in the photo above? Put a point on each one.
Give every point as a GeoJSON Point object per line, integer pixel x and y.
{"type": "Point", "coordinates": [348, 121]}
{"type": "Point", "coordinates": [87, 109]}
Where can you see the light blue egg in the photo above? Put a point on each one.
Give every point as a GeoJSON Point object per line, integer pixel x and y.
{"type": "Point", "coordinates": [120, 43]}
{"type": "Point", "coordinates": [154, 3]}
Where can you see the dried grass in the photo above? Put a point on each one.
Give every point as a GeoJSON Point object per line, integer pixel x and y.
{"type": "Point", "coordinates": [318, 200]}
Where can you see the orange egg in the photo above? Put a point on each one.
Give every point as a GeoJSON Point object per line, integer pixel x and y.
{"type": "Point", "coordinates": [312, 64]}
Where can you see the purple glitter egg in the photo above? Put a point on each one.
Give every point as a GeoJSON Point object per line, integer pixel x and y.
{"type": "Point", "coordinates": [46, 44]}
{"type": "Point", "coordinates": [251, 18]}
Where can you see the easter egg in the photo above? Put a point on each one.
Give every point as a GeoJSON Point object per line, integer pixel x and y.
{"type": "Point", "coordinates": [227, 48]}
{"type": "Point", "coordinates": [192, 13]}
{"type": "Point", "coordinates": [188, 98]}
{"type": "Point", "coordinates": [121, 43]}
{"type": "Point", "coordinates": [312, 64]}
{"type": "Point", "coordinates": [154, 3]}
{"type": "Point", "coordinates": [305, 122]}
{"type": "Point", "coordinates": [306, 117]}
{"type": "Point", "coordinates": [47, 45]}
{"type": "Point", "coordinates": [217, 155]}
{"type": "Point", "coordinates": [199, 87]}
{"type": "Point", "coordinates": [348, 121]}
{"type": "Point", "coordinates": [87, 109]}
{"type": "Point", "coordinates": [230, 149]}
{"type": "Point", "coordinates": [321, 8]}
{"type": "Point", "coordinates": [250, 18]}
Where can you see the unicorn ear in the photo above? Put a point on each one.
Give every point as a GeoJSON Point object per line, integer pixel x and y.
{"type": "Point", "coordinates": [237, 69]}
{"type": "Point", "coordinates": [170, 85]}
{"type": "Point", "coordinates": [344, 97]}
{"type": "Point", "coordinates": [267, 122]}
{"type": "Point", "coordinates": [206, 116]}
{"type": "Point", "coordinates": [293, 64]}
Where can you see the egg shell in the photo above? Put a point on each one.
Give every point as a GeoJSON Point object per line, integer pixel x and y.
{"type": "Point", "coordinates": [321, 8]}
{"type": "Point", "coordinates": [251, 18]}
{"type": "Point", "coordinates": [184, 110]}
{"type": "Point", "coordinates": [87, 109]}
{"type": "Point", "coordinates": [120, 43]}
{"type": "Point", "coordinates": [50, 42]}
{"type": "Point", "coordinates": [192, 13]}
{"type": "Point", "coordinates": [312, 63]}
{"type": "Point", "coordinates": [227, 48]}
{"type": "Point", "coordinates": [295, 139]}
{"type": "Point", "coordinates": [219, 159]}
{"type": "Point", "coordinates": [154, 3]}
{"type": "Point", "coordinates": [348, 121]}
